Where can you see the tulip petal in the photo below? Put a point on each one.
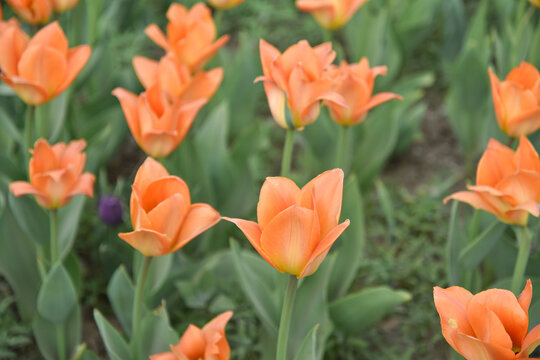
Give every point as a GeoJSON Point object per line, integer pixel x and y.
{"type": "Point", "coordinates": [290, 239]}
{"type": "Point", "coordinates": [277, 194]}
{"type": "Point", "coordinates": [525, 123]}
{"type": "Point", "coordinates": [500, 111]}
{"type": "Point", "coordinates": [157, 36]}
{"type": "Point", "coordinates": [51, 36]}
{"type": "Point", "coordinates": [84, 186]}
{"type": "Point", "coordinates": [497, 317]}
{"type": "Point", "coordinates": [523, 186]}
{"type": "Point", "coordinates": [168, 215]}
{"type": "Point", "coordinates": [324, 194]}
{"type": "Point", "coordinates": [77, 58]}
{"type": "Point", "coordinates": [162, 189]}
{"type": "Point", "coordinates": [20, 188]}
{"type": "Point", "coordinates": [496, 163]}
{"type": "Point", "coordinates": [13, 42]}
{"type": "Point", "coordinates": [208, 52]}
{"type": "Point", "coordinates": [146, 70]}
{"type": "Point", "coordinates": [526, 157]}
{"type": "Point", "coordinates": [147, 242]}
{"type": "Point", "coordinates": [200, 218]}
{"type": "Point", "coordinates": [203, 85]}
{"type": "Point", "coordinates": [525, 75]}
{"type": "Point", "coordinates": [473, 348]}
{"type": "Point", "coordinates": [525, 297]}
{"type": "Point", "coordinates": [379, 99]}
{"type": "Point", "coordinates": [129, 104]}
{"type": "Point", "coordinates": [451, 304]}
{"type": "Point", "coordinates": [30, 93]}
{"type": "Point", "coordinates": [43, 66]}
{"type": "Point", "coordinates": [159, 144]}
{"type": "Point", "coordinates": [268, 54]}
{"type": "Point", "coordinates": [192, 343]}
{"type": "Point", "coordinates": [322, 249]}
{"type": "Point", "coordinates": [164, 356]}
{"type": "Point", "coordinates": [43, 158]}
{"type": "Point", "coordinates": [276, 102]}
{"type": "Point", "coordinates": [148, 172]}
{"type": "Point", "coordinates": [530, 343]}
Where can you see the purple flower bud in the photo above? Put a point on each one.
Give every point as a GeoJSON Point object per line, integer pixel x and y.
{"type": "Point", "coordinates": [110, 210]}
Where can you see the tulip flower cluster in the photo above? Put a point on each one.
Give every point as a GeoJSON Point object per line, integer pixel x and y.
{"type": "Point", "coordinates": [298, 80]}
{"type": "Point", "coordinates": [39, 11]}
{"type": "Point", "coordinates": [176, 87]}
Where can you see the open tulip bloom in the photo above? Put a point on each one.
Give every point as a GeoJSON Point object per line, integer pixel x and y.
{"type": "Point", "coordinates": [331, 14]}
{"type": "Point", "coordinates": [507, 183]}
{"type": "Point", "coordinates": [207, 343]}
{"type": "Point", "coordinates": [295, 84]}
{"type": "Point", "coordinates": [162, 215]}
{"type": "Point", "coordinates": [296, 227]}
{"type": "Point", "coordinates": [190, 35]}
{"type": "Point", "coordinates": [517, 100]}
{"type": "Point", "coordinates": [355, 82]}
{"type": "Point", "coordinates": [40, 68]}
{"type": "Point", "coordinates": [56, 174]}
{"type": "Point", "coordinates": [491, 325]}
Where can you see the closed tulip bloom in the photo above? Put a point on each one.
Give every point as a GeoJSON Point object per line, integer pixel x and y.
{"type": "Point", "coordinates": [157, 124]}
{"type": "Point", "coordinates": [162, 215]}
{"type": "Point", "coordinates": [517, 100]}
{"type": "Point", "coordinates": [330, 14]}
{"type": "Point", "coordinates": [507, 183]}
{"type": "Point", "coordinates": [355, 83]}
{"type": "Point", "coordinates": [225, 4]}
{"type": "Point", "coordinates": [40, 68]}
{"type": "Point", "coordinates": [296, 227]}
{"type": "Point", "coordinates": [208, 343]}
{"type": "Point", "coordinates": [56, 174]}
{"type": "Point", "coordinates": [295, 79]}
{"type": "Point", "coordinates": [491, 325]}
{"type": "Point", "coordinates": [32, 11]}
{"type": "Point", "coordinates": [190, 35]}
{"type": "Point", "coordinates": [175, 79]}
{"type": "Point", "coordinates": [64, 5]}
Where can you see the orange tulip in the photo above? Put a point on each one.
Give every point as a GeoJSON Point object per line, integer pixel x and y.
{"type": "Point", "coordinates": [175, 79]}
{"type": "Point", "coordinates": [208, 343]}
{"type": "Point", "coordinates": [355, 83]}
{"type": "Point", "coordinates": [157, 125]}
{"type": "Point", "coordinates": [295, 78]}
{"type": "Point", "coordinates": [330, 14]}
{"type": "Point", "coordinates": [507, 183]}
{"type": "Point", "coordinates": [225, 4]}
{"type": "Point", "coordinates": [296, 226]}
{"type": "Point", "coordinates": [5, 24]}
{"type": "Point", "coordinates": [492, 324]}
{"type": "Point", "coordinates": [56, 174]}
{"type": "Point", "coordinates": [32, 11]}
{"type": "Point", "coordinates": [64, 5]}
{"type": "Point", "coordinates": [162, 215]}
{"type": "Point", "coordinates": [517, 100]}
{"type": "Point", "coordinates": [40, 68]}
{"type": "Point", "coordinates": [190, 35]}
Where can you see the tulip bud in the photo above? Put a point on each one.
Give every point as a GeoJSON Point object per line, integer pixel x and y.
{"type": "Point", "coordinates": [110, 210]}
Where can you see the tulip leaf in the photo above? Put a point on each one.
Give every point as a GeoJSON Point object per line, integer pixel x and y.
{"type": "Point", "coordinates": [257, 290]}
{"type": "Point", "coordinates": [359, 311]}
{"type": "Point", "coordinates": [387, 207]}
{"type": "Point", "coordinates": [157, 274]}
{"type": "Point", "coordinates": [46, 334]}
{"type": "Point", "coordinates": [117, 348]}
{"type": "Point", "coordinates": [454, 246]}
{"type": "Point", "coordinates": [121, 294]}
{"type": "Point", "coordinates": [351, 243]}
{"type": "Point", "coordinates": [308, 349]}
{"type": "Point", "coordinates": [7, 125]}
{"type": "Point", "coordinates": [57, 295]}
{"type": "Point", "coordinates": [69, 218]}
{"type": "Point", "coordinates": [26, 208]}
{"type": "Point", "coordinates": [156, 333]}
{"type": "Point", "coordinates": [477, 250]}
{"type": "Point", "coordinates": [18, 263]}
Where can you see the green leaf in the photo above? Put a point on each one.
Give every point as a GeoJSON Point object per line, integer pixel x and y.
{"type": "Point", "coordinates": [57, 295]}
{"type": "Point", "coordinates": [116, 346]}
{"type": "Point", "coordinates": [7, 125]}
{"type": "Point", "coordinates": [45, 333]}
{"type": "Point", "coordinates": [26, 208]}
{"type": "Point", "coordinates": [360, 311]}
{"type": "Point", "coordinates": [351, 243]}
{"type": "Point", "coordinates": [121, 294]}
{"type": "Point", "coordinates": [387, 207]}
{"type": "Point", "coordinates": [69, 218]}
{"type": "Point", "coordinates": [453, 246]}
{"type": "Point", "coordinates": [257, 290]}
{"type": "Point", "coordinates": [156, 333]}
{"type": "Point", "coordinates": [308, 349]}
{"type": "Point", "coordinates": [477, 250]}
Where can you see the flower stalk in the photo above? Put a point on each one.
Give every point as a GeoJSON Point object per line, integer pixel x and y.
{"type": "Point", "coordinates": [286, 315]}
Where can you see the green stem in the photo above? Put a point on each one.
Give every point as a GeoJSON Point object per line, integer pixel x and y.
{"type": "Point", "coordinates": [287, 153]}
{"type": "Point", "coordinates": [524, 248]}
{"type": "Point", "coordinates": [29, 132]}
{"type": "Point", "coordinates": [137, 307]}
{"type": "Point", "coordinates": [53, 221]}
{"type": "Point", "coordinates": [340, 154]}
{"type": "Point", "coordinates": [286, 314]}
{"type": "Point", "coordinates": [61, 342]}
